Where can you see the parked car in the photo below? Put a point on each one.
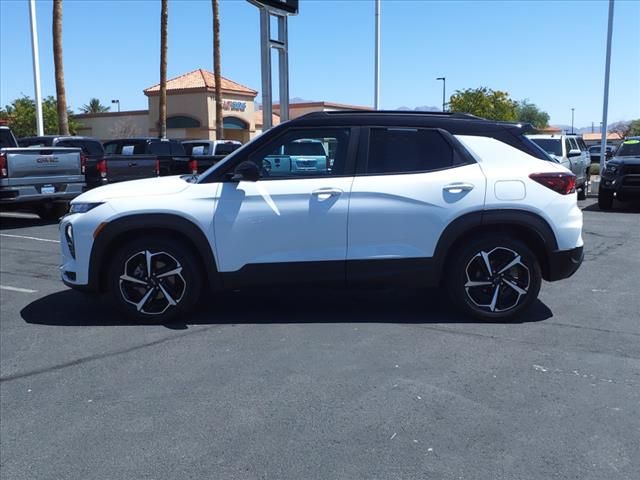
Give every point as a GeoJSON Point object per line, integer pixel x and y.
{"type": "Point", "coordinates": [415, 199]}
{"type": "Point", "coordinates": [621, 176]}
{"type": "Point", "coordinates": [95, 170]}
{"type": "Point", "coordinates": [594, 152]}
{"type": "Point", "coordinates": [41, 180]}
{"type": "Point", "coordinates": [304, 156]}
{"type": "Point", "coordinates": [144, 157]}
{"type": "Point", "coordinates": [206, 153]}
{"type": "Point", "coordinates": [571, 152]}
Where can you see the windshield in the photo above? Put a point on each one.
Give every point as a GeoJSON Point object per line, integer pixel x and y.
{"type": "Point", "coordinates": [630, 148]}
{"type": "Point", "coordinates": [549, 145]}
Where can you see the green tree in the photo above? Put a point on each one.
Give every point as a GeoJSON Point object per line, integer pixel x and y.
{"type": "Point", "coordinates": [529, 113]}
{"type": "Point", "coordinates": [94, 106]}
{"type": "Point", "coordinates": [634, 128]}
{"type": "Point", "coordinates": [21, 116]}
{"type": "Point", "coordinates": [484, 102]}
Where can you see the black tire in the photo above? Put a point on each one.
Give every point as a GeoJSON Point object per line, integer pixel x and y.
{"type": "Point", "coordinates": [481, 301]}
{"type": "Point", "coordinates": [51, 211]}
{"type": "Point", "coordinates": [582, 192]}
{"type": "Point", "coordinates": [605, 199]}
{"type": "Point", "coordinates": [159, 297]}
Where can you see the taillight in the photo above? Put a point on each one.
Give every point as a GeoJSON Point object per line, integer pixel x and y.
{"type": "Point", "coordinates": [193, 166]}
{"type": "Point", "coordinates": [563, 183]}
{"type": "Point", "coordinates": [157, 168]}
{"type": "Point", "coordinates": [83, 163]}
{"type": "Point", "coordinates": [3, 165]}
{"type": "Point", "coordinates": [101, 166]}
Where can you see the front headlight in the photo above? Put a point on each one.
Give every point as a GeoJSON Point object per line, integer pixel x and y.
{"type": "Point", "coordinates": [611, 169]}
{"type": "Point", "coordinates": [82, 207]}
{"type": "Point", "coordinates": [68, 236]}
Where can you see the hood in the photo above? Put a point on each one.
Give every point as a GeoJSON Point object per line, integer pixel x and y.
{"type": "Point", "coordinates": [148, 187]}
{"type": "Point", "coordinates": [631, 160]}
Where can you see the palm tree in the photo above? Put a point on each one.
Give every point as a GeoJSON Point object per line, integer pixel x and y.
{"type": "Point", "coordinates": [61, 94]}
{"type": "Point", "coordinates": [163, 69]}
{"type": "Point", "coordinates": [94, 106]}
{"type": "Point", "coordinates": [215, 6]}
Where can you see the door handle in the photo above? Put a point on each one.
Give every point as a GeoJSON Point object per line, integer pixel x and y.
{"type": "Point", "coordinates": [458, 187]}
{"type": "Point", "coordinates": [324, 193]}
{"type": "Point", "coordinates": [133, 164]}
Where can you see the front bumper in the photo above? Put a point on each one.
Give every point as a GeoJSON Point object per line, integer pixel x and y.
{"type": "Point", "coordinates": [564, 263]}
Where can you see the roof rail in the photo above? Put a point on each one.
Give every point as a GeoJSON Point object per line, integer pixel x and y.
{"type": "Point", "coordinates": [395, 112]}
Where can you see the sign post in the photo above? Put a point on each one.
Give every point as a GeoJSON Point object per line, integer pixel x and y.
{"type": "Point", "coordinates": [280, 9]}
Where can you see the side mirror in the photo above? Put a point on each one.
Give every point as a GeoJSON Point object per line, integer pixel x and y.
{"type": "Point", "coordinates": [246, 171]}
{"type": "Point", "coordinates": [574, 153]}
{"type": "Point", "coordinates": [608, 155]}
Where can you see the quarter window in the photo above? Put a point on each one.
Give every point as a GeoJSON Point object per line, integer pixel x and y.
{"type": "Point", "coordinates": [406, 150]}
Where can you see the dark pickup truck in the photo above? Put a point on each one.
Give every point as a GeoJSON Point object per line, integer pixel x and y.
{"type": "Point", "coordinates": [144, 157]}
{"type": "Point", "coordinates": [206, 153]}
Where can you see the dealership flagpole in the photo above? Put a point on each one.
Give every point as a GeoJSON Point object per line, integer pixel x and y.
{"type": "Point", "coordinates": [603, 130]}
{"type": "Point", "coordinates": [36, 66]}
{"type": "Point", "coordinates": [376, 99]}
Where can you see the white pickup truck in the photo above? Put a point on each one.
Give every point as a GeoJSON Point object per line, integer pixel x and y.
{"type": "Point", "coordinates": [41, 180]}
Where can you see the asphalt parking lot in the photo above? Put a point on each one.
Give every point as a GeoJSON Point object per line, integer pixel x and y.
{"type": "Point", "coordinates": [322, 384]}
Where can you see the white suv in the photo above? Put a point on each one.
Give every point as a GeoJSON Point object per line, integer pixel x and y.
{"type": "Point", "coordinates": [414, 199]}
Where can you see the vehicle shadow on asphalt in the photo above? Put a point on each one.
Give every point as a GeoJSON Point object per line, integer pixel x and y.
{"type": "Point", "coordinates": [285, 305]}
{"type": "Point", "coordinates": [12, 223]}
{"type": "Point", "coordinates": [618, 207]}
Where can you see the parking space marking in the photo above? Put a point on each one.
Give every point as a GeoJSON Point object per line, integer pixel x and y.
{"type": "Point", "coordinates": [17, 289]}
{"type": "Point", "coordinates": [29, 238]}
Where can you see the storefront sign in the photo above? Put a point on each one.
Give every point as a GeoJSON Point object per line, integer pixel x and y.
{"type": "Point", "coordinates": [234, 105]}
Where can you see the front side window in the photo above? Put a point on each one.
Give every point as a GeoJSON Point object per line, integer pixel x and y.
{"type": "Point", "coordinates": [406, 150]}
{"type": "Point", "coordinates": [305, 153]}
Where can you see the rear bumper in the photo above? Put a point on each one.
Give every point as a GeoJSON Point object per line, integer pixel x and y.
{"type": "Point", "coordinates": [564, 263]}
{"type": "Point", "coordinates": [32, 194]}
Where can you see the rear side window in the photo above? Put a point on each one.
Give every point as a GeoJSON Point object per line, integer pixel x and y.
{"type": "Point", "coordinates": [6, 139]}
{"type": "Point", "coordinates": [196, 148]}
{"type": "Point", "coordinates": [582, 145]}
{"type": "Point", "coordinates": [226, 148]}
{"type": "Point", "coordinates": [160, 148]}
{"type": "Point", "coordinates": [574, 144]}
{"type": "Point", "coordinates": [110, 148]}
{"type": "Point", "coordinates": [88, 147]}
{"type": "Point", "coordinates": [406, 150]}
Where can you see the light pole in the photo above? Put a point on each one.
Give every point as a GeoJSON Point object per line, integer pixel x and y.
{"type": "Point", "coordinates": [118, 102]}
{"type": "Point", "coordinates": [444, 84]}
{"type": "Point", "coordinates": [572, 120]}
{"type": "Point", "coordinates": [36, 66]}
{"type": "Point", "coordinates": [376, 78]}
{"type": "Point", "coordinates": [605, 107]}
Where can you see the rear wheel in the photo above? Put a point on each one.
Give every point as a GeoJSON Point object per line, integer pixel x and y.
{"type": "Point", "coordinates": [605, 199]}
{"type": "Point", "coordinates": [154, 281]}
{"type": "Point", "coordinates": [494, 278]}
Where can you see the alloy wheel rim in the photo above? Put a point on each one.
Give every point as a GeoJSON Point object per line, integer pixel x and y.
{"type": "Point", "coordinates": [497, 280]}
{"type": "Point", "coordinates": [152, 282]}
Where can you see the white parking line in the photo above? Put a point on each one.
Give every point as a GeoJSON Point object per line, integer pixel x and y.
{"type": "Point", "coordinates": [29, 238]}
{"type": "Point", "coordinates": [17, 289]}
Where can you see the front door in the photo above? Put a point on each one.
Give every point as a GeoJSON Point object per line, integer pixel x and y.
{"type": "Point", "coordinates": [292, 222]}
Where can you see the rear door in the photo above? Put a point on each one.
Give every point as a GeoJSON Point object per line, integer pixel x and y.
{"type": "Point", "coordinates": [411, 183]}
{"type": "Point", "coordinates": [129, 161]}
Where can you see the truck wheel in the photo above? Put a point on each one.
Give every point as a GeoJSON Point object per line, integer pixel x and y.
{"type": "Point", "coordinates": [155, 280]}
{"type": "Point", "coordinates": [51, 211]}
{"type": "Point", "coordinates": [493, 278]}
{"type": "Point", "coordinates": [605, 199]}
{"type": "Point", "coordinates": [582, 193]}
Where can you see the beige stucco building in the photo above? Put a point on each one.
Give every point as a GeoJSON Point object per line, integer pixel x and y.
{"type": "Point", "coordinates": [191, 112]}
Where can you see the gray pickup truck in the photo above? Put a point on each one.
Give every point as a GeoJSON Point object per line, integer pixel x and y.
{"type": "Point", "coordinates": [40, 180]}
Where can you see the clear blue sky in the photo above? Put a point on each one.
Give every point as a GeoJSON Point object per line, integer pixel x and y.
{"type": "Point", "coordinates": [551, 52]}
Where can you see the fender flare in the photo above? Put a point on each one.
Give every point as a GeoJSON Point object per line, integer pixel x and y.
{"type": "Point", "coordinates": [113, 230]}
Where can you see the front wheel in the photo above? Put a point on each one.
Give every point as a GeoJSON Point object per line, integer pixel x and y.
{"type": "Point", "coordinates": [154, 280]}
{"type": "Point", "coordinates": [494, 278]}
